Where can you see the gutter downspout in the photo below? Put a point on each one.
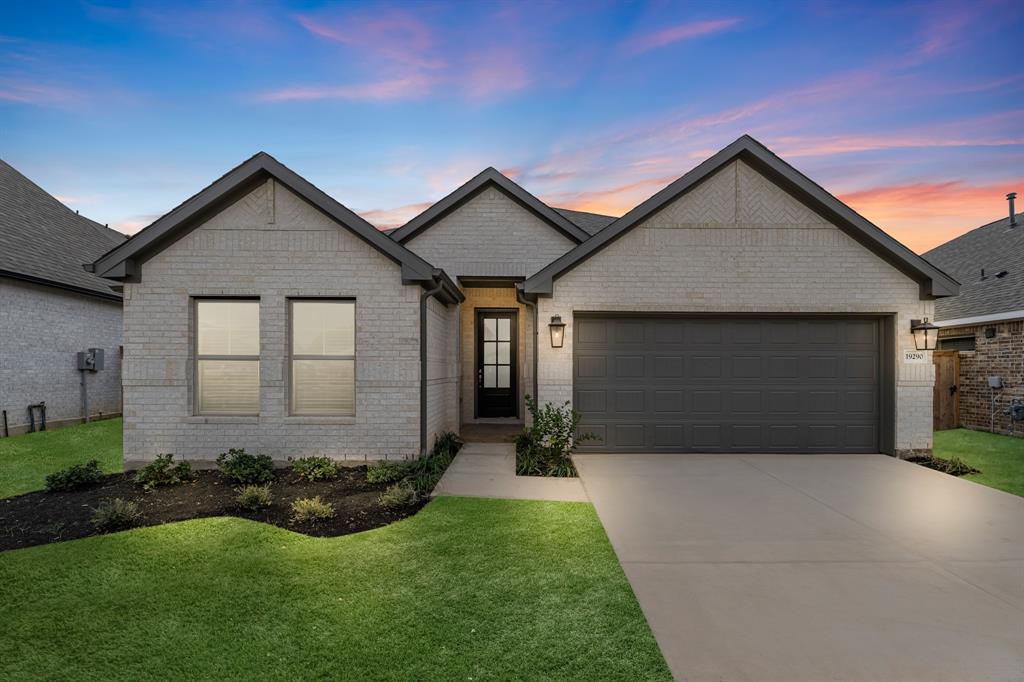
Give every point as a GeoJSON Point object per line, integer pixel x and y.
{"type": "Point", "coordinates": [438, 285]}
{"type": "Point", "coordinates": [521, 297]}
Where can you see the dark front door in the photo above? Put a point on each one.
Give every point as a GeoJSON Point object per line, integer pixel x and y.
{"type": "Point", "coordinates": [496, 364]}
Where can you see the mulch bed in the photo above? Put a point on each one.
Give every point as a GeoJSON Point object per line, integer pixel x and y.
{"type": "Point", "coordinates": [39, 518]}
{"type": "Point", "coordinates": [952, 467]}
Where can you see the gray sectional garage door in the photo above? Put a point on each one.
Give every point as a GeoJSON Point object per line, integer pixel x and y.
{"type": "Point", "coordinates": [730, 384]}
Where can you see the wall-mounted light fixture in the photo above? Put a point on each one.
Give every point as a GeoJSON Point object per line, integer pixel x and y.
{"type": "Point", "coordinates": [557, 329]}
{"type": "Point", "coordinates": [926, 334]}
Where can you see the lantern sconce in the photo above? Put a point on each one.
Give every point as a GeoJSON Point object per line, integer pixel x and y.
{"type": "Point", "coordinates": [557, 328]}
{"type": "Point", "coordinates": [925, 334]}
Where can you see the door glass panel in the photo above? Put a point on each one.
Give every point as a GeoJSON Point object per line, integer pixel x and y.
{"type": "Point", "coordinates": [490, 376]}
{"type": "Point", "coordinates": [504, 353]}
{"type": "Point", "coordinates": [490, 329]}
{"type": "Point", "coordinates": [504, 377]}
{"type": "Point", "coordinates": [504, 325]}
{"type": "Point", "coordinates": [489, 352]}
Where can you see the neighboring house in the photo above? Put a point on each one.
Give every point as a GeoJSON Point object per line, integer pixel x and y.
{"type": "Point", "coordinates": [984, 325]}
{"type": "Point", "coordinates": [50, 309]}
{"type": "Point", "coordinates": [740, 309]}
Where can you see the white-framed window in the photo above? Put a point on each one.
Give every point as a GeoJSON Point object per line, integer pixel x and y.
{"type": "Point", "coordinates": [227, 356]}
{"type": "Point", "coordinates": [323, 357]}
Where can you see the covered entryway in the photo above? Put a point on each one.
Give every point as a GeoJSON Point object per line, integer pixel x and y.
{"type": "Point", "coordinates": [730, 383]}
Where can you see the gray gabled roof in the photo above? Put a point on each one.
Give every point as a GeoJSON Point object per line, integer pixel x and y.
{"type": "Point", "coordinates": [995, 247]}
{"type": "Point", "coordinates": [934, 283]}
{"type": "Point", "coordinates": [591, 222]}
{"type": "Point", "coordinates": [125, 261]}
{"type": "Point", "coordinates": [490, 177]}
{"type": "Point", "coordinates": [44, 241]}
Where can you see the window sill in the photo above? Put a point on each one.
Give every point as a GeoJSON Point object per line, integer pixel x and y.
{"type": "Point", "coordinates": [222, 419]}
{"type": "Point", "coordinates": [324, 419]}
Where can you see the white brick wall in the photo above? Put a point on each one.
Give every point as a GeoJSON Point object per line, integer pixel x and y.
{"type": "Point", "coordinates": [490, 235]}
{"type": "Point", "coordinates": [442, 369]}
{"type": "Point", "coordinates": [274, 245]}
{"type": "Point", "coordinates": [737, 243]}
{"type": "Point", "coordinates": [41, 330]}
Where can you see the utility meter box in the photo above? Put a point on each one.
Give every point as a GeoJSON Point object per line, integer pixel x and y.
{"type": "Point", "coordinates": [90, 360]}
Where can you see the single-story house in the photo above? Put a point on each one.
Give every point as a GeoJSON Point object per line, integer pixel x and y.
{"type": "Point", "coordinates": [980, 363]}
{"type": "Point", "coordinates": [51, 310]}
{"type": "Point", "coordinates": [740, 309]}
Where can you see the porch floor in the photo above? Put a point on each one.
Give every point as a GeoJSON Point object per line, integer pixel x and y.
{"type": "Point", "coordinates": [490, 433]}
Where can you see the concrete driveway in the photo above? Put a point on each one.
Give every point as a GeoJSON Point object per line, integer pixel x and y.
{"type": "Point", "coordinates": [814, 568]}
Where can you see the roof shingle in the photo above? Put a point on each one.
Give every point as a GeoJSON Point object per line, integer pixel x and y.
{"type": "Point", "coordinates": [994, 247]}
{"type": "Point", "coordinates": [43, 240]}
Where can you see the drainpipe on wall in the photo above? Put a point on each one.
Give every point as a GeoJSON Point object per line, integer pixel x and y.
{"type": "Point", "coordinates": [438, 285]}
{"type": "Point", "coordinates": [521, 297]}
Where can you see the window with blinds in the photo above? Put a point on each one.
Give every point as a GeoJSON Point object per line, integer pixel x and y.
{"type": "Point", "coordinates": [323, 357]}
{"type": "Point", "coordinates": [227, 357]}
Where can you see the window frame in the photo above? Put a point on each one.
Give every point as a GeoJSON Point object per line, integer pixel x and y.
{"type": "Point", "coordinates": [197, 357]}
{"type": "Point", "coordinates": [292, 356]}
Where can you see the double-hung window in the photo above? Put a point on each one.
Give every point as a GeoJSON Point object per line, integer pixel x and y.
{"type": "Point", "coordinates": [323, 357]}
{"type": "Point", "coordinates": [227, 356]}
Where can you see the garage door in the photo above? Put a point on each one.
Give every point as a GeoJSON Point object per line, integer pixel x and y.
{"type": "Point", "coordinates": [672, 384]}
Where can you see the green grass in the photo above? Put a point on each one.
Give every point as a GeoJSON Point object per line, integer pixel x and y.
{"type": "Point", "coordinates": [999, 458]}
{"type": "Point", "coordinates": [26, 460]}
{"type": "Point", "coordinates": [468, 589]}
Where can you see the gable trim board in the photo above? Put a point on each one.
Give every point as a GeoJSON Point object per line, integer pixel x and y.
{"type": "Point", "coordinates": [934, 283]}
{"type": "Point", "coordinates": [489, 177]}
{"type": "Point", "coordinates": [124, 262]}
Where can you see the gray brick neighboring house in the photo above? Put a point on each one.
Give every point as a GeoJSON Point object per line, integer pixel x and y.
{"type": "Point", "coordinates": [740, 309]}
{"type": "Point", "coordinates": [50, 308]}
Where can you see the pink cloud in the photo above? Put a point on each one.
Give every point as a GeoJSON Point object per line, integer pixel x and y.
{"type": "Point", "coordinates": [923, 215]}
{"type": "Point", "coordinates": [678, 33]}
{"type": "Point", "coordinates": [494, 71]}
{"type": "Point", "coordinates": [25, 92]}
{"type": "Point", "coordinates": [395, 36]}
{"type": "Point", "coordinates": [385, 218]}
{"type": "Point", "coordinates": [411, 87]}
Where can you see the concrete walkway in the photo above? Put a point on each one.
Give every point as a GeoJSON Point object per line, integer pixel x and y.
{"type": "Point", "coordinates": [489, 470]}
{"type": "Point", "coordinates": [811, 568]}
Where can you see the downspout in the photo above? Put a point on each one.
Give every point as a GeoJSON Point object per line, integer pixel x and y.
{"type": "Point", "coordinates": [438, 285]}
{"type": "Point", "coordinates": [521, 297]}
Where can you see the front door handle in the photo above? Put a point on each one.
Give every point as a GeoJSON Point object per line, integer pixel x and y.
{"type": "Point", "coordinates": [952, 389]}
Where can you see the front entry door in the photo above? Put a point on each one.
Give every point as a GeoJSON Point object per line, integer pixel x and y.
{"type": "Point", "coordinates": [496, 364]}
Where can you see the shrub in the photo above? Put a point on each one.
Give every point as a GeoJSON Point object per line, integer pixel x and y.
{"type": "Point", "coordinates": [253, 497]}
{"type": "Point", "coordinates": [386, 472]}
{"type": "Point", "coordinates": [315, 468]}
{"type": "Point", "coordinates": [425, 472]}
{"type": "Point", "coordinates": [241, 467]}
{"type": "Point", "coordinates": [162, 471]}
{"type": "Point", "coordinates": [115, 514]}
{"type": "Point", "coordinates": [546, 446]}
{"type": "Point", "coordinates": [311, 510]}
{"type": "Point", "coordinates": [400, 494]}
{"type": "Point", "coordinates": [75, 476]}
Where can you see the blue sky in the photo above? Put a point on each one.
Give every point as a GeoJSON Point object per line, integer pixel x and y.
{"type": "Point", "coordinates": [911, 112]}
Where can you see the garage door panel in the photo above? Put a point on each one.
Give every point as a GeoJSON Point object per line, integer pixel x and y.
{"type": "Point", "coordinates": [728, 385]}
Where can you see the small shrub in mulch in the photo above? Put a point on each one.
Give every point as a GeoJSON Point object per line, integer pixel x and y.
{"type": "Point", "coordinates": [163, 471]}
{"type": "Point", "coordinates": [247, 469]}
{"type": "Point", "coordinates": [75, 477]}
{"type": "Point", "coordinates": [311, 510]}
{"type": "Point", "coordinates": [254, 497]}
{"type": "Point", "coordinates": [315, 468]}
{"type": "Point", "coordinates": [386, 472]}
{"type": "Point", "coordinates": [545, 447]}
{"type": "Point", "coordinates": [115, 514]}
{"type": "Point", "coordinates": [399, 494]}
{"type": "Point", "coordinates": [954, 466]}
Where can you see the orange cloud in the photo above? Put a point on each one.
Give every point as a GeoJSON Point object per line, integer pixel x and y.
{"type": "Point", "coordinates": [925, 214]}
{"type": "Point", "coordinates": [384, 218]}
{"type": "Point", "coordinates": [675, 34]}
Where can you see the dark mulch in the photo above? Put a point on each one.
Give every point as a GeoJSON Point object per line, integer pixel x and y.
{"type": "Point", "coordinates": [40, 518]}
{"type": "Point", "coordinates": [953, 467]}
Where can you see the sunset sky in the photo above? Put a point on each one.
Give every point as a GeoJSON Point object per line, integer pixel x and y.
{"type": "Point", "coordinates": [913, 113]}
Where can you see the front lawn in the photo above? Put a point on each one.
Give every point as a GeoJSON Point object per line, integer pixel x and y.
{"type": "Point", "coordinates": [469, 589]}
{"type": "Point", "coordinates": [26, 460]}
{"type": "Point", "coordinates": [1000, 459]}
